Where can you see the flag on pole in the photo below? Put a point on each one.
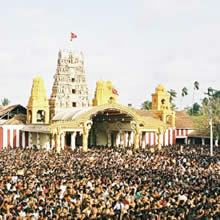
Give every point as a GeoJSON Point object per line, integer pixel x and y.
{"type": "Point", "coordinates": [114, 91]}
{"type": "Point", "coordinates": [72, 36]}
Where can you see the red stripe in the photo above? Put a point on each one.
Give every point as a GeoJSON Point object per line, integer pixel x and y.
{"type": "Point", "coordinates": [169, 137]}
{"type": "Point", "coordinates": [26, 139]}
{"type": "Point", "coordinates": [20, 138]}
{"type": "Point", "coordinates": [14, 138]}
{"type": "Point", "coordinates": [1, 138]}
{"type": "Point", "coordinates": [182, 132]}
{"type": "Point", "coordinates": [8, 137]}
{"type": "Point", "coordinates": [174, 136]}
{"type": "Point", "coordinates": [187, 132]}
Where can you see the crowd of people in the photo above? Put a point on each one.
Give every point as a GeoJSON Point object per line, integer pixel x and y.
{"type": "Point", "coordinates": [108, 183]}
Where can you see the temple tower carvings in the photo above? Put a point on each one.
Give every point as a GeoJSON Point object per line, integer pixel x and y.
{"type": "Point", "coordinates": [38, 105]}
{"type": "Point", "coordinates": [70, 87]}
{"type": "Point", "coordinates": [161, 103]}
{"type": "Point", "coordinates": [104, 93]}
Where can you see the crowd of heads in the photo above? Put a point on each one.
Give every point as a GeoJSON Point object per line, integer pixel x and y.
{"type": "Point", "coordinates": [108, 183]}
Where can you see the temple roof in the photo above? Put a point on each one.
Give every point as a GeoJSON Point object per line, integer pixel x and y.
{"type": "Point", "coordinates": [184, 121]}
{"type": "Point", "coordinates": [70, 114]}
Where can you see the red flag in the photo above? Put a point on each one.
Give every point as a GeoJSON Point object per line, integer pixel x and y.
{"type": "Point", "coordinates": [72, 36]}
{"type": "Point", "coordinates": [114, 91]}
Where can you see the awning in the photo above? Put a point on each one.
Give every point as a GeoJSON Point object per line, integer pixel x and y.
{"type": "Point", "coordinates": [37, 128]}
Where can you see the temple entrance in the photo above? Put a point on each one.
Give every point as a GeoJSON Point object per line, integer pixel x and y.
{"type": "Point", "coordinates": [110, 127]}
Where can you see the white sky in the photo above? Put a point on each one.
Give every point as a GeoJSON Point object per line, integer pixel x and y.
{"type": "Point", "coordinates": [135, 43]}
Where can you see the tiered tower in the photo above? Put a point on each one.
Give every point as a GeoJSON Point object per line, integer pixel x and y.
{"type": "Point", "coordinates": [70, 88]}
{"type": "Point", "coordinates": [38, 106]}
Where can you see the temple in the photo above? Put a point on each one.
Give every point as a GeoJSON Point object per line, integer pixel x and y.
{"type": "Point", "coordinates": [66, 120]}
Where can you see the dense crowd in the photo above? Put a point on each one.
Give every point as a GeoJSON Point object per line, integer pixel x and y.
{"type": "Point", "coordinates": [108, 183]}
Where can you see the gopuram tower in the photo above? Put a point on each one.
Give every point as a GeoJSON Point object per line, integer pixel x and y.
{"type": "Point", "coordinates": [70, 89]}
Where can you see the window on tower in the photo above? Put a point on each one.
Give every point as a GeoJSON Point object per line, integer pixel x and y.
{"type": "Point", "coordinates": [73, 79]}
{"type": "Point", "coordinates": [73, 91]}
{"type": "Point", "coordinates": [73, 104]}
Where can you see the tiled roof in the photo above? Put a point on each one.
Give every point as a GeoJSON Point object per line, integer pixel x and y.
{"type": "Point", "coordinates": [200, 133]}
{"type": "Point", "coordinates": [17, 120]}
{"type": "Point", "coordinates": [183, 120]}
{"type": "Point", "coordinates": [37, 128]}
{"type": "Point", "coordinates": [5, 109]}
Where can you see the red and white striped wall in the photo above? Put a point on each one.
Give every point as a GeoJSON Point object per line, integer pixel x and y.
{"type": "Point", "coordinates": [181, 133]}
{"type": "Point", "coordinates": [168, 138]}
{"type": "Point", "coordinates": [11, 136]}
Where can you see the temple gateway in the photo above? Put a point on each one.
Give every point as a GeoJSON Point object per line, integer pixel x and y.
{"type": "Point", "coordinates": [69, 119]}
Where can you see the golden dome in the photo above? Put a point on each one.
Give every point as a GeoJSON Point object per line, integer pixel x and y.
{"type": "Point", "coordinates": [160, 88]}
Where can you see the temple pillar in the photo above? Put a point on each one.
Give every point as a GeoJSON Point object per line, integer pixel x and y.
{"type": "Point", "coordinates": [131, 139]}
{"type": "Point", "coordinates": [203, 141]}
{"type": "Point", "coordinates": [62, 141]}
{"type": "Point", "coordinates": [143, 140]}
{"type": "Point", "coordinates": [126, 139]}
{"type": "Point", "coordinates": [38, 141]}
{"type": "Point", "coordinates": [52, 141]}
{"type": "Point", "coordinates": [58, 147]}
{"type": "Point", "coordinates": [109, 138]}
{"type": "Point", "coordinates": [73, 140]}
{"type": "Point", "coordinates": [118, 139]}
{"type": "Point", "coordinates": [85, 141]}
{"type": "Point", "coordinates": [159, 138]}
{"type": "Point", "coordinates": [23, 139]}
{"type": "Point", "coordinates": [30, 139]}
{"type": "Point", "coordinates": [136, 140]}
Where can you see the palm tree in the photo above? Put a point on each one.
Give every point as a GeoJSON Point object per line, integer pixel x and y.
{"type": "Point", "coordinates": [196, 87]}
{"type": "Point", "coordinates": [173, 94]}
{"type": "Point", "coordinates": [146, 105]}
{"type": "Point", "coordinates": [184, 93]}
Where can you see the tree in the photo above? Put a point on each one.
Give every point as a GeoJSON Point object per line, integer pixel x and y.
{"type": "Point", "coordinates": [195, 109]}
{"type": "Point", "coordinates": [211, 108]}
{"type": "Point", "coordinates": [173, 95]}
{"type": "Point", "coordinates": [196, 87]}
{"type": "Point", "coordinates": [147, 105]}
{"type": "Point", "coordinates": [5, 101]}
{"type": "Point", "coordinates": [184, 93]}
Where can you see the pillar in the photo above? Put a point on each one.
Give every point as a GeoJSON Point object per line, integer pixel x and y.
{"type": "Point", "coordinates": [203, 141]}
{"type": "Point", "coordinates": [126, 139]}
{"type": "Point", "coordinates": [52, 141]}
{"type": "Point", "coordinates": [131, 139]}
{"type": "Point", "coordinates": [85, 141]}
{"type": "Point", "coordinates": [73, 140]}
{"type": "Point", "coordinates": [58, 148]}
{"type": "Point", "coordinates": [62, 141]}
{"type": "Point", "coordinates": [136, 140]}
{"type": "Point", "coordinates": [159, 137]}
{"type": "Point", "coordinates": [143, 140]}
{"type": "Point", "coordinates": [38, 141]}
{"type": "Point", "coordinates": [30, 139]}
{"type": "Point", "coordinates": [118, 138]}
{"type": "Point", "coordinates": [23, 139]}
{"type": "Point", "coordinates": [109, 138]}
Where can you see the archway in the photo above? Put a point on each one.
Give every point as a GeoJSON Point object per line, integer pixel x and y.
{"type": "Point", "coordinates": [110, 127]}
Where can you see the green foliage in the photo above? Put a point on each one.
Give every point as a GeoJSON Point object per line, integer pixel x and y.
{"type": "Point", "coordinates": [195, 109]}
{"type": "Point", "coordinates": [211, 108]}
{"type": "Point", "coordinates": [184, 91]}
{"type": "Point", "coordinates": [147, 105]}
{"type": "Point", "coordinates": [5, 101]}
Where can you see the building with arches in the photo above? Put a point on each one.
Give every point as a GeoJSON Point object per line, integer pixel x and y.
{"type": "Point", "coordinates": [67, 120]}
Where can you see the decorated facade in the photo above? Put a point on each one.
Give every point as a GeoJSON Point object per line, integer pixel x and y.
{"type": "Point", "coordinates": [67, 120]}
